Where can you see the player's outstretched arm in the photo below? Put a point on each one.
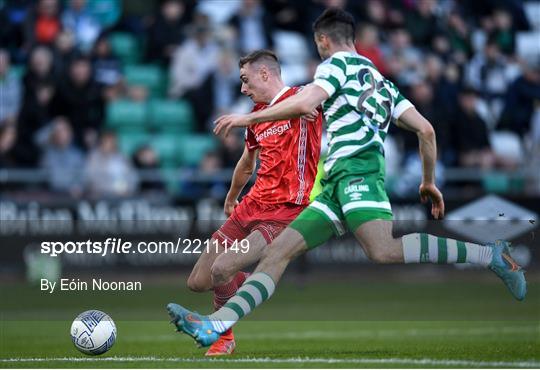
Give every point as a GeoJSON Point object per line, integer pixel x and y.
{"type": "Point", "coordinates": [303, 103]}
{"type": "Point", "coordinates": [242, 172]}
{"type": "Point", "coordinates": [413, 121]}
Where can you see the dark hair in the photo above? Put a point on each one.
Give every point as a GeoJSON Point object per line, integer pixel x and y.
{"type": "Point", "coordinates": [108, 132]}
{"type": "Point", "coordinates": [467, 90]}
{"type": "Point", "coordinates": [79, 57]}
{"type": "Point", "coordinates": [336, 24]}
{"type": "Point", "coordinates": [264, 56]}
{"type": "Point", "coordinates": [492, 41]}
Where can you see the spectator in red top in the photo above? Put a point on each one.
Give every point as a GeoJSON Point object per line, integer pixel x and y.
{"type": "Point", "coordinates": [367, 44]}
{"type": "Point", "coordinates": [43, 23]}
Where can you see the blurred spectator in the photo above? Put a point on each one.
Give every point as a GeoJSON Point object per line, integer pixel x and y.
{"type": "Point", "coordinates": [504, 33]}
{"type": "Point", "coordinates": [231, 149]}
{"type": "Point", "coordinates": [421, 23]}
{"type": "Point", "coordinates": [6, 28]}
{"type": "Point", "coordinates": [225, 83]}
{"type": "Point", "coordinates": [42, 23]}
{"type": "Point", "coordinates": [340, 4]}
{"type": "Point", "coordinates": [288, 15]}
{"type": "Point", "coordinates": [522, 98]}
{"type": "Point", "coordinates": [107, 68]}
{"type": "Point", "coordinates": [480, 35]}
{"type": "Point", "coordinates": [430, 49]}
{"type": "Point", "coordinates": [444, 81]}
{"type": "Point", "coordinates": [201, 20]}
{"type": "Point", "coordinates": [39, 70]}
{"type": "Point", "coordinates": [254, 27]}
{"type": "Point", "coordinates": [106, 12]}
{"type": "Point", "coordinates": [404, 60]}
{"type": "Point", "coordinates": [166, 32]}
{"type": "Point", "coordinates": [108, 172]}
{"type": "Point", "coordinates": [440, 45]}
{"type": "Point", "coordinates": [10, 91]}
{"type": "Point", "coordinates": [311, 67]}
{"type": "Point", "coordinates": [472, 135]}
{"type": "Point", "coordinates": [64, 51]}
{"type": "Point", "coordinates": [209, 166]}
{"type": "Point", "coordinates": [375, 12]}
{"type": "Point", "coordinates": [490, 73]}
{"type": "Point", "coordinates": [8, 138]}
{"type": "Point", "coordinates": [427, 99]}
{"type": "Point", "coordinates": [422, 96]}
{"type": "Point", "coordinates": [80, 21]}
{"type": "Point", "coordinates": [192, 64]}
{"type": "Point", "coordinates": [459, 37]}
{"type": "Point", "coordinates": [145, 158]}
{"type": "Point", "coordinates": [136, 16]}
{"type": "Point", "coordinates": [34, 115]}
{"type": "Point", "coordinates": [310, 10]}
{"type": "Point", "coordinates": [62, 160]}
{"type": "Point", "coordinates": [12, 35]}
{"type": "Point", "coordinates": [367, 44]}
{"type": "Point", "coordinates": [80, 99]}
{"type": "Point", "coordinates": [137, 93]}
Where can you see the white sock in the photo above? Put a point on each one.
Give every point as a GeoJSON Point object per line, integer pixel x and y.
{"type": "Point", "coordinates": [256, 289]}
{"type": "Point", "coordinates": [425, 248]}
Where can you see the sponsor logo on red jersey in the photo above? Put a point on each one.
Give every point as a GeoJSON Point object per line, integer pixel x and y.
{"type": "Point", "coordinates": [276, 130]}
{"type": "Point", "coordinates": [288, 153]}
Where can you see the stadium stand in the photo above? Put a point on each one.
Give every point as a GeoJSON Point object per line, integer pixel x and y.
{"type": "Point", "coordinates": [457, 61]}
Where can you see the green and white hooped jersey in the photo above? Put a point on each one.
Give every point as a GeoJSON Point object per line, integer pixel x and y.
{"type": "Point", "coordinates": [359, 109]}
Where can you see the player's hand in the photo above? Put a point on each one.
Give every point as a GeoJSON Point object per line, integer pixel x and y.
{"type": "Point", "coordinates": [224, 124]}
{"type": "Point", "coordinates": [229, 206]}
{"type": "Point", "coordinates": [430, 191]}
{"type": "Point", "coordinates": [311, 116]}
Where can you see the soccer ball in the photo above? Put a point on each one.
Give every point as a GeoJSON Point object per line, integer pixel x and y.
{"type": "Point", "coordinates": [93, 332]}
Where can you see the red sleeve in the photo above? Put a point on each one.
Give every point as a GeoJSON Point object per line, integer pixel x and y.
{"type": "Point", "coordinates": [251, 141]}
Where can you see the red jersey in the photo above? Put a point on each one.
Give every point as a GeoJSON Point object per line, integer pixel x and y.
{"type": "Point", "coordinates": [289, 154]}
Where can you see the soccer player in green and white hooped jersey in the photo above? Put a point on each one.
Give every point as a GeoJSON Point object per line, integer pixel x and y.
{"type": "Point", "coordinates": [359, 104]}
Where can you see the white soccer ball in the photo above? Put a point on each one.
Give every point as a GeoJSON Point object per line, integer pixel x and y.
{"type": "Point", "coordinates": [93, 332]}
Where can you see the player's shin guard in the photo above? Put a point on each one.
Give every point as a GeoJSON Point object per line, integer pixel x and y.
{"type": "Point", "coordinates": [426, 248]}
{"type": "Point", "coordinates": [256, 289]}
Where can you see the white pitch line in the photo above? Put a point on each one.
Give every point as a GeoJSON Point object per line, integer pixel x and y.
{"type": "Point", "coordinates": [293, 360]}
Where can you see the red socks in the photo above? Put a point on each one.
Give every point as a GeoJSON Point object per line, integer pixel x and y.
{"type": "Point", "coordinates": [225, 292]}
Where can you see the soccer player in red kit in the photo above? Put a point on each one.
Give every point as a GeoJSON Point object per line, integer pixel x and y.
{"type": "Point", "coordinates": [288, 152]}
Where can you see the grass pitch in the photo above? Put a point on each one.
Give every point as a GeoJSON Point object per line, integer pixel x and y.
{"type": "Point", "coordinates": [334, 324]}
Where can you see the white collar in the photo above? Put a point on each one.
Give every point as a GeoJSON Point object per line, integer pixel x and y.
{"type": "Point", "coordinates": [279, 94]}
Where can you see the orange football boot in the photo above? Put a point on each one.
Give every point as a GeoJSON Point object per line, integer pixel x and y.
{"type": "Point", "coordinates": [224, 346]}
